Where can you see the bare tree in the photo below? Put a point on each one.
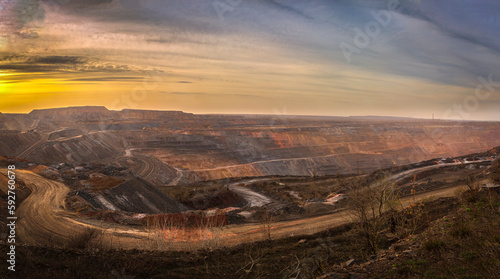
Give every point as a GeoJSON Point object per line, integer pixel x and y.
{"type": "Point", "coordinates": [495, 172]}
{"type": "Point", "coordinates": [471, 180]}
{"type": "Point", "coordinates": [367, 203]}
{"type": "Point", "coordinates": [266, 220]}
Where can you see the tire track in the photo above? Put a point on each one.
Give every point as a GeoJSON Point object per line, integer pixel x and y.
{"type": "Point", "coordinates": [34, 146]}
{"type": "Point", "coordinates": [43, 220]}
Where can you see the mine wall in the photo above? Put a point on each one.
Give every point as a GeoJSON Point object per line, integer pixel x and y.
{"type": "Point", "coordinates": [135, 195]}
{"type": "Point", "coordinates": [13, 142]}
{"type": "Point", "coordinates": [209, 147]}
{"type": "Point", "coordinates": [86, 148]}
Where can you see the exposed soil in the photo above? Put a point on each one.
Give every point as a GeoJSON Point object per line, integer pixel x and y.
{"type": "Point", "coordinates": [289, 257]}
{"type": "Point", "coordinates": [172, 147]}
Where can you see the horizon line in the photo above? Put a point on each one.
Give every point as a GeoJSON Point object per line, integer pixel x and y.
{"type": "Point", "coordinates": [255, 114]}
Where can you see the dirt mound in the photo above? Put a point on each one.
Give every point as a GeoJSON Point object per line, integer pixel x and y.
{"type": "Point", "coordinates": [135, 195]}
{"type": "Point", "coordinates": [39, 169]}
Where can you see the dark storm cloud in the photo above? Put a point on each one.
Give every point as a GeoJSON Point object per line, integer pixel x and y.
{"type": "Point", "coordinates": [41, 64]}
{"type": "Point", "coordinates": [54, 60]}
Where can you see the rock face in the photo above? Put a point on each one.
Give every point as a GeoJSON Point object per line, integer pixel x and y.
{"type": "Point", "coordinates": [13, 142]}
{"type": "Point", "coordinates": [172, 147]}
{"type": "Point", "coordinates": [79, 149]}
{"type": "Point", "coordinates": [341, 148]}
{"type": "Point", "coordinates": [135, 195]}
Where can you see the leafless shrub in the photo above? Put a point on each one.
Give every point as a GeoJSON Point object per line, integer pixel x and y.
{"type": "Point", "coordinates": [166, 234]}
{"type": "Point", "coordinates": [471, 181]}
{"type": "Point", "coordinates": [495, 172]}
{"type": "Point", "coordinates": [162, 234]}
{"type": "Point", "coordinates": [87, 238]}
{"type": "Point", "coordinates": [367, 202]}
{"type": "Point", "coordinates": [265, 219]}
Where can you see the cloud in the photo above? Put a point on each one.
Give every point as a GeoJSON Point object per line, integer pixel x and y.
{"type": "Point", "coordinates": [282, 49]}
{"type": "Point", "coordinates": [289, 9]}
{"type": "Point", "coordinates": [75, 64]}
{"type": "Point", "coordinates": [184, 93]}
{"type": "Point", "coordinates": [54, 60]}
{"type": "Point", "coordinates": [101, 79]}
{"type": "Point", "coordinates": [213, 94]}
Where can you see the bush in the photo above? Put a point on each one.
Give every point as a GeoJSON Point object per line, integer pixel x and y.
{"type": "Point", "coordinates": [461, 229]}
{"type": "Point", "coordinates": [432, 245]}
{"type": "Point", "coordinates": [495, 171]}
{"type": "Point", "coordinates": [83, 239]}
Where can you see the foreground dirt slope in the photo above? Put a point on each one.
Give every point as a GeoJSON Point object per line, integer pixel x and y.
{"type": "Point", "coordinates": [43, 220]}
{"type": "Point", "coordinates": [449, 245]}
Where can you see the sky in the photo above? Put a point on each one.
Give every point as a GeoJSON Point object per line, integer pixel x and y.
{"type": "Point", "coordinates": [409, 58]}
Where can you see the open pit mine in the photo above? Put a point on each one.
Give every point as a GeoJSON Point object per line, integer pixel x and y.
{"type": "Point", "coordinates": [175, 148]}
{"type": "Point", "coordinates": [138, 174]}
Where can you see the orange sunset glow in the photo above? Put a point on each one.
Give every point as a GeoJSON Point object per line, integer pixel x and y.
{"type": "Point", "coordinates": [255, 59]}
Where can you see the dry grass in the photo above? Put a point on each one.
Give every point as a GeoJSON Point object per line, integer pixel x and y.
{"type": "Point", "coordinates": [165, 235]}
{"type": "Point", "coordinates": [87, 238]}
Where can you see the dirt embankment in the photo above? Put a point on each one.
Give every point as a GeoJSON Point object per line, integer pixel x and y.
{"type": "Point", "coordinates": [135, 195]}
{"type": "Point", "coordinates": [349, 148]}
{"type": "Point", "coordinates": [14, 142]}
{"type": "Point", "coordinates": [93, 147]}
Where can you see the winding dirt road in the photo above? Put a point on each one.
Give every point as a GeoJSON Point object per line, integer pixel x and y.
{"type": "Point", "coordinates": [147, 168]}
{"type": "Point", "coordinates": [44, 220]}
{"type": "Point", "coordinates": [237, 234]}
{"type": "Point", "coordinates": [253, 198]}
{"type": "Point", "coordinates": [146, 165]}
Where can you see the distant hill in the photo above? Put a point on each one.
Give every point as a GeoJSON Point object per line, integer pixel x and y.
{"type": "Point", "coordinates": [381, 118]}
{"type": "Point", "coordinates": [87, 112]}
